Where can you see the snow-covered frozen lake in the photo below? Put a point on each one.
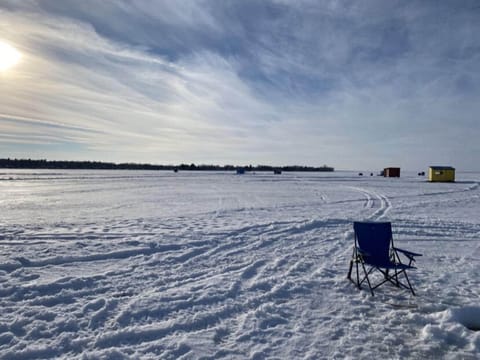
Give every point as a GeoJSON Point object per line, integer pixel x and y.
{"type": "Point", "coordinates": [158, 265]}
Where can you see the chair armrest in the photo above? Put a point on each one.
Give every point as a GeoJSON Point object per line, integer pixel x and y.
{"type": "Point", "coordinates": [408, 254]}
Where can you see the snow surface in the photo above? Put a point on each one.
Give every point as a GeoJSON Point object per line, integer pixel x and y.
{"type": "Point", "coordinates": [120, 265]}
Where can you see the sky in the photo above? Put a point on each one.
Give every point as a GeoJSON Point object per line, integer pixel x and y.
{"type": "Point", "coordinates": [358, 85]}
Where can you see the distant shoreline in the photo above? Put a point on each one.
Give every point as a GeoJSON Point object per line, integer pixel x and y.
{"type": "Point", "coordinates": [99, 165]}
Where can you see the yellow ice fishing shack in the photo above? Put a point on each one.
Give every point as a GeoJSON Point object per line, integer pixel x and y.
{"type": "Point", "coordinates": [441, 174]}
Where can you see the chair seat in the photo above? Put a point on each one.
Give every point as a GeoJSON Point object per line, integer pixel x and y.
{"type": "Point", "coordinates": [389, 265]}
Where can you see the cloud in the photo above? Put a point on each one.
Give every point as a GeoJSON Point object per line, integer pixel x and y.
{"type": "Point", "coordinates": [74, 78]}
{"type": "Point", "coordinates": [348, 84]}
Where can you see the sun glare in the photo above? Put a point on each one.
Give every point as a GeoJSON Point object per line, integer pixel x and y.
{"type": "Point", "coordinates": [9, 56]}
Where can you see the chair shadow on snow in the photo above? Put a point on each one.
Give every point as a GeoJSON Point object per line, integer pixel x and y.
{"type": "Point", "coordinates": [376, 260]}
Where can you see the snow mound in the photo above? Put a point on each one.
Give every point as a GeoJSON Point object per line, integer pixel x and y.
{"type": "Point", "coordinates": [468, 316]}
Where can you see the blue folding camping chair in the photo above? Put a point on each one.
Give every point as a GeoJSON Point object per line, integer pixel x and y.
{"type": "Point", "coordinates": [374, 251]}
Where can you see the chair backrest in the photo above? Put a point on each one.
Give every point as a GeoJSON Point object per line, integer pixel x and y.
{"type": "Point", "coordinates": [374, 239]}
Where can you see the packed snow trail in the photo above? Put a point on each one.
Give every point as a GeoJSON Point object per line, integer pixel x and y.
{"type": "Point", "coordinates": [160, 265]}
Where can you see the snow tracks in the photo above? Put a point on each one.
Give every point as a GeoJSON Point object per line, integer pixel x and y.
{"type": "Point", "coordinates": [212, 266]}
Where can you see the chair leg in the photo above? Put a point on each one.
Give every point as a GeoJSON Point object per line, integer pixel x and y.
{"type": "Point", "coordinates": [349, 276]}
{"type": "Point", "coordinates": [396, 278]}
{"type": "Point", "coordinates": [358, 276]}
{"type": "Point", "coordinates": [408, 282]}
{"type": "Point", "coordinates": [393, 278]}
{"type": "Point", "coordinates": [368, 280]}
{"type": "Point", "coordinates": [358, 283]}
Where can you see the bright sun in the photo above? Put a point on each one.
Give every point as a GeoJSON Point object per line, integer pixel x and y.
{"type": "Point", "coordinates": [9, 56]}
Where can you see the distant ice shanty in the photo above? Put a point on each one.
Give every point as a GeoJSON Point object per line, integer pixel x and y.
{"type": "Point", "coordinates": [441, 174]}
{"type": "Point", "coordinates": [391, 172]}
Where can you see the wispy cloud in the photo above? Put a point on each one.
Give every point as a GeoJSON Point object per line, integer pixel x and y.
{"type": "Point", "coordinates": [353, 85]}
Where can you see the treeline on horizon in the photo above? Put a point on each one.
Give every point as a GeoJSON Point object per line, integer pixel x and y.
{"type": "Point", "coordinates": [98, 165]}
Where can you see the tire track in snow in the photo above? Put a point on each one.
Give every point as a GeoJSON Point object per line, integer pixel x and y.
{"type": "Point", "coordinates": [385, 206]}
{"type": "Point", "coordinates": [190, 249]}
{"type": "Point", "coordinates": [266, 280]}
{"type": "Point", "coordinates": [219, 251]}
{"type": "Point", "coordinates": [380, 203]}
{"type": "Point", "coordinates": [63, 260]}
